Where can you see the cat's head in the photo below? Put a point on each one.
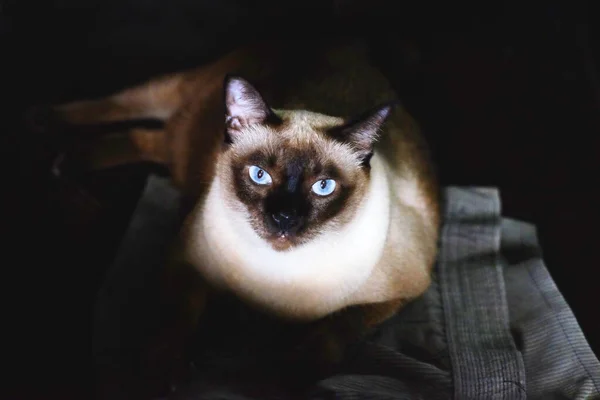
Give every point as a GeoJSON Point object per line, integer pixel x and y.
{"type": "Point", "coordinates": [295, 174]}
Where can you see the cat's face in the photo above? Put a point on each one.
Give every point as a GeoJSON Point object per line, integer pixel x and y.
{"type": "Point", "coordinates": [296, 174]}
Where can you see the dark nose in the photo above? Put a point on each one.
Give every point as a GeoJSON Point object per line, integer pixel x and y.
{"type": "Point", "coordinates": [285, 220]}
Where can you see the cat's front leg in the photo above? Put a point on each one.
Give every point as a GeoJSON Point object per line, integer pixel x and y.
{"type": "Point", "coordinates": [321, 346]}
{"type": "Point", "coordinates": [326, 343]}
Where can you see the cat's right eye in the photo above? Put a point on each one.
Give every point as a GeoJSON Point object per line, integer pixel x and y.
{"type": "Point", "coordinates": [259, 175]}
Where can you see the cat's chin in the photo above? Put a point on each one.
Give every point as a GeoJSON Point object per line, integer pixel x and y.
{"type": "Point", "coordinates": [282, 241]}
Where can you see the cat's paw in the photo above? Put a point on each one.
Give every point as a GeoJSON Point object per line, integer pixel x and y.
{"type": "Point", "coordinates": [164, 363]}
{"type": "Point", "coordinates": [316, 355]}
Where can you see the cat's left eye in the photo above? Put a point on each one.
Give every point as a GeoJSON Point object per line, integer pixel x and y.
{"type": "Point", "coordinates": [259, 175]}
{"type": "Point", "coordinates": [324, 187]}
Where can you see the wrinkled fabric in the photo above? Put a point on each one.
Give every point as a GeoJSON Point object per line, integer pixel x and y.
{"type": "Point", "coordinates": [493, 325]}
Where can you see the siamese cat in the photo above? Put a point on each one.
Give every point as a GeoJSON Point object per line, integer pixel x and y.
{"type": "Point", "coordinates": [313, 196]}
{"type": "Point", "coordinates": [310, 213]}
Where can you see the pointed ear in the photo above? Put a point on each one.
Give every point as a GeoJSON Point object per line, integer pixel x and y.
{"type": "Point", "coordinates": [362, 131]}
{"type": "Point", "coordinates": [244, 106]}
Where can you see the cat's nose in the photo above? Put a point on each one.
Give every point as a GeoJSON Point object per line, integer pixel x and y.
{"type": "Point", "coordinates": [285, 219]}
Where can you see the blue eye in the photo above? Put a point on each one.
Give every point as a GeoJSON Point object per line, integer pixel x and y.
{"type": "Point", "coordinates": [324, 187]}
{"type": "Point", "coordinates": [259, 175]}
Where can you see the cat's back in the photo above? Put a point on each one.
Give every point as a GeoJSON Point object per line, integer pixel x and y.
{"type": "Point", "coordinates": [336, 79]}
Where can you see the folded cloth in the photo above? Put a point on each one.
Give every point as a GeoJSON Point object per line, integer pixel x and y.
{"type": "Point", "coordinates": [493, 325]}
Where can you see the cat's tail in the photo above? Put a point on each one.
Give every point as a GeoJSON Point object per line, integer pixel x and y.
{"type": "Point", "coordinates": [156, 99]}
{"type": "Point", "coordinates": [114, 130]}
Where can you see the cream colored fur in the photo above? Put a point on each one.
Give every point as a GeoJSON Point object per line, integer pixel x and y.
{"type": "Point", "coordinates": [363, 262]}
{"type": "Point", "coordinates": [306, 282]}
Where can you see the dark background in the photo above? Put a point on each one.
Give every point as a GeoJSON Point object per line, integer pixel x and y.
{"type": "Point", "coordinates": [507, 95]}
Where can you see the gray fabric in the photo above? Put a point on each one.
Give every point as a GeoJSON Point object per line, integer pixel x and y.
{"type": "Point", "coordinates": [485, 361]}
{"type": "Point", "coordinates": [492, 325]}
{"type": "Point", "coordinates": [559, 364]}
